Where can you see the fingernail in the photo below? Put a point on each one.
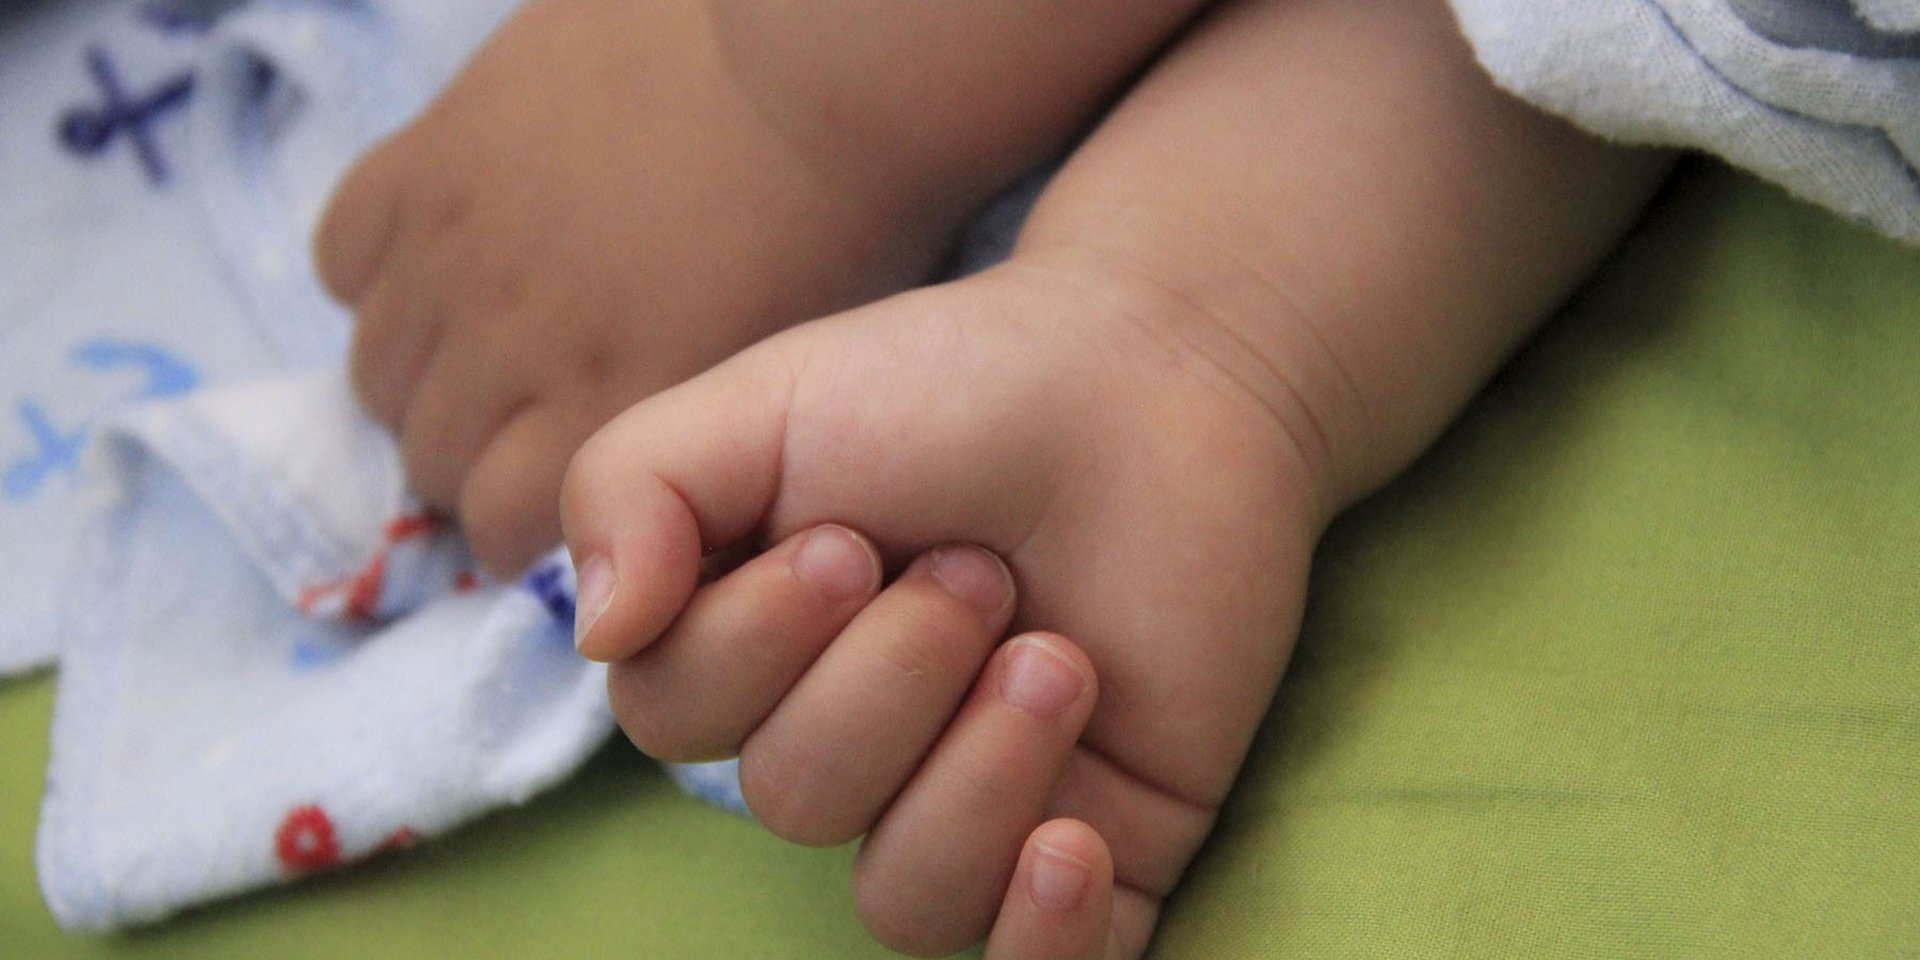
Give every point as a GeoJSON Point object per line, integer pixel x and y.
{"type": "Point", "coordinates": [1059, 879]}
{"type": "Point", "coordinates": [1039, 680]}
{"type": "Point", "coordinates": [836, 563]}
{"type": "Point", "coordinates": [597, 582]}
{"type": "Point", "coordinates": [973, 575]}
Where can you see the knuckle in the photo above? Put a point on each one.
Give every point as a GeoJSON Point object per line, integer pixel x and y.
{"type": "Point", "coordinates": [897, 923]}
{"type": "Point", "coordinates": [371, 388]}
{"type": "Point", "coordinates": [504, 291]}
{"type": "Point", "coordinates": [767, 784]}
{"type": "Point", "coordinates": [332, 249]}
{"type": "Point", "coordinates": [574, 495]}
{"type": "Point", "coordinates": [496, 523]}
{"type": "Point", "coordinates": [589, 470]}
{"type": "Point", "coordinates": [591, 482]}
{"type": "Point", "coordinates": [369, 194]}
{"type": "Point", "coordinates": [931, 647]}
{"type": "Point", "coordinates": [874, 904]}
{"type": "Point", "coordinates": [450, 213]}
{"type": "Point", "coordinates": [426, 470]}
{"type": "Point", "coordinates": [645, 713]}
{"type": "Point", "coordinates": [776, 788]}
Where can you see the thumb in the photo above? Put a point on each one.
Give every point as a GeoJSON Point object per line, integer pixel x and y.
{"type": "Point", "coordinates": [682, 473]}
{"type": "Point", "coordinates": [1060, 903]}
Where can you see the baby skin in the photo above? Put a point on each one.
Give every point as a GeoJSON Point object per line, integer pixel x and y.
{"type": "Point", "coordinates": [613, 197]}
{"type": "Point", "coordinates": [1039, 538]}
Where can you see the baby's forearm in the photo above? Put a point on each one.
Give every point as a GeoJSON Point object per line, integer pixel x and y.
{"type": "Point", "coordinates": [1345, 215]}
{"type": "Point", "coordinates": [963, 94]}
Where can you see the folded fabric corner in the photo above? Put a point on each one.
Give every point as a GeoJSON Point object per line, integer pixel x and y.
{"type": "Point", "coordinates": [1813, 95]}
{"type": "Point", "coordinates": [219, 728]}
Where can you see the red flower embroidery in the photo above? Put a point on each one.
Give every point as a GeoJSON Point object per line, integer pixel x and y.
{"type": "Point", "coordinates": [305, 841]}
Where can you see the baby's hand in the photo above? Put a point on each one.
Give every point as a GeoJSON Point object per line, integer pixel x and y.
{"type": "Point", "coordinates": [1149, 507]}
{"type": "Point", "coordinates": [593, 211]}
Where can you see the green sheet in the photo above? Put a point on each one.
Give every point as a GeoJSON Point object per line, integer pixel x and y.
{"type": "Point", "coordinates": [1628, 666]}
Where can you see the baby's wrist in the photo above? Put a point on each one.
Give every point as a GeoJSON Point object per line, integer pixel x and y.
{"type": "Point", "coordinates": [1223, 318]}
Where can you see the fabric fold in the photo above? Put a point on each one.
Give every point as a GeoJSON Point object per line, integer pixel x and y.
{"type": "Point", "coordinates": [1816, 95]}
{"type": "Point", "coordinates": [217, 730]}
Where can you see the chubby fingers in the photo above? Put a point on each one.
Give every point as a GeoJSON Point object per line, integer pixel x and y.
{"type": "Point", "coordinates": [831, 689]}
{"type": "Point", "coordinates": [360, 252]}
{"type": "Point", "coordinates": [932, 873]}
{"type": "Point", "coordinates": [741, 644]}
{"type": "Point", "coordinates": [690, 469]}
{"type": "Point", "coordinates": [850, 734]}
{"type": "Point", "coordinates": [355, 234]}
{"type": "Point", "coordinates": [1060, 903]}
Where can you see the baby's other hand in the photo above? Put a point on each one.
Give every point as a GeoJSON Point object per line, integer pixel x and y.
{"type": "Point", "coordinates": [591, 212]}
{"type": "Point", "coordinates": [1155, 518]}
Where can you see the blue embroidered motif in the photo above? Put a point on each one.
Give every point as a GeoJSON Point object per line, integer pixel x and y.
{"type": "Point", "coordinates": [314, 654]}
{"type": "Point", "coordinates": [59, 453]}
{"type": "Point", "coordinates": [167, 375]}
{"type": "Point", "coordinates": [89, 131]}
{"type": "Point", "coordinates": [548, 582]}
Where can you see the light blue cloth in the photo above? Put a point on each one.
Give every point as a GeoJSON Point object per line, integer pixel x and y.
{"type": "Point", "coordinates": [1819, 96]}
{"type": "Point", "coordinates": [270, 662]}
{"type": "Point", "coordinates": [160, 172]}
{"type": "Point", "coordinates": [274, 663]}
{"type": "Point", "coordinates": [109, 289]}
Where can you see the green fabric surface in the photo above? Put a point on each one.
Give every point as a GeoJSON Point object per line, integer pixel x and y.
{"type": "Point", "coordinates": [1626, 667]}
{"type": "Point", "coordinates": [1629, 665]}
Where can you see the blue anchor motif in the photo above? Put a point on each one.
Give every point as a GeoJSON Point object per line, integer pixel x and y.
{"type": "Point", "coordinates": [166, 374]}
{"type": "Point", "coordinates": [89, 131]}
{"type": "Point", "coordinates": [57, 450]}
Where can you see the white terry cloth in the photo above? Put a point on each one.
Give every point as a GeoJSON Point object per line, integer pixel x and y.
{"type": "Point", "coordinates": [162, 164]}
{"type": "Point", "coordinates": [274, 663]}
{"type": "Point", "coordinates": [1891, 16]}
{"type": "Point", "coordinates": [107, 293]}
{"type": "Point", "coordinates": [1820, 96]}
{"type": "Point", "coordinates": [160, 170]}
{"type": "Point", "coordinates": [270, 662]}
